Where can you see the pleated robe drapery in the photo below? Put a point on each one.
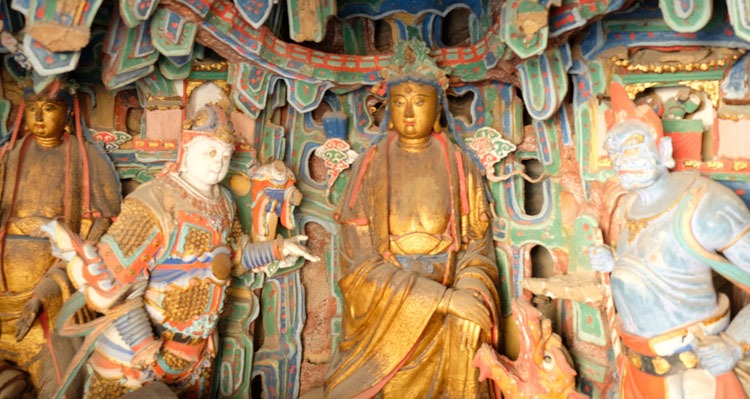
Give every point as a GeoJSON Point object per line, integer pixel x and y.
{"type": "Point", "coordinates": [394, 341]}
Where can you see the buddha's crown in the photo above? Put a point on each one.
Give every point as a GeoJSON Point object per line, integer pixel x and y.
{"type": "Point", "coordinates": [411, 61]}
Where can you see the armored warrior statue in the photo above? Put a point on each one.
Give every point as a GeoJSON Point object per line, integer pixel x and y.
{"type": "Point", "coordinates": [160, 273]}
{"type": "Point", "coordinates": [676, 331]}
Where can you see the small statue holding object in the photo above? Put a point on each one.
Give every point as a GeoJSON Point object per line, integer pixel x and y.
{"type": "Point", "coordinates": [678, 339]}
{"type": "Point", "coordinates": [161, 272]}
{"type": "Point", "coordinates": [49, 172]}
{"type": "Point", "coordinates": [418, 267]}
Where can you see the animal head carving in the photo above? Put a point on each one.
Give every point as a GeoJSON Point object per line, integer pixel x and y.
{"type": "Point", "coordinates": [543, 368]}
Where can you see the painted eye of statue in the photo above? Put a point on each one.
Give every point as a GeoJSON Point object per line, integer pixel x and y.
{"type": "Point", "coordinates": [212, 153]}
{"type": "Point", "coordinates": [50, 107]}
{"type": "Point", "coordinates": [631, 151]}
{"type": "Point", "coordinates": [634, 139]}
{"type": "Point", "coordinates": [549, 362]}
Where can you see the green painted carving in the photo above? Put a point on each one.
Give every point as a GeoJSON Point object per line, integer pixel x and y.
{"type": "Point", "coordinates": [686, 15]}
{"type": "Point", "coordinates": [591, 8]}
{"type": "Point", "coordinates": [524, 27]}
{"type": "Point", "coordinates": [585, 233]}
{"type": "Point", "coordinates": [592, 370]}
{"type": "Point", "coordinates": [307, 19]}
{"type": "Point", "coordinates": [172, 34]}
{"type": "Point", "coordinates": [129, 56]}
{"type": "Point", "coordinates": [544, 81]}
{"type": "Point", "coordinates": [172, 71]}
{"type": "Point", "coordinates": [589, 82]}
{"type": "Point", "coordinates": [548, 151]}
{"type": "Point", "coordinates": [237, 348]}
{"type": "Point", "coordinates": [739, 18]}
{"type": "Point", "coordinates": [134, 12]}
{"type": "Point", "coordinates": [156, 85]}
{"type": "Point", "coordinates": [252, 83]}
{"type": "Point", "coordinates": [353, 35]}
{"type": "Point", "coordinates": [588, 324]}
{"type": "Point", "coordinates": [283, 315]}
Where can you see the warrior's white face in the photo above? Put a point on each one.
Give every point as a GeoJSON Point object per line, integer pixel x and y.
{"type": "Point", "coordinates": [635, 156]}
{"type": "Point", "coordinates": [206, 160]}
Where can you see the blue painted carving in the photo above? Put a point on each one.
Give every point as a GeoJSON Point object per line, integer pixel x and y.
{"type": "Point", "coordinates": [739, 18]}
{"type": "Point", "coordinates": [305, 96]}
{"type": "Point", "coordinates": [544, 81]}
{"type": "Point", "coordinates": [278, 360]}
{"type": "Point", "coordinates": [618, 30]}
{"type": "Point", "coordinates": [735, 84]}
{"type": "Point", "coordinates": [200, 7]}
{"type": "Point", "coordinates": [379, 9]}
{"type": "Point", "coordinates": [173, 35]}
{"type": "Point", "coordinates": [46, 62]}
{"type": "Point", "coordinates": [129, 54]}
{"type": "Point", "coordinates": [255, 12]}
{"type": "Point", "coordinates": [134, 12]}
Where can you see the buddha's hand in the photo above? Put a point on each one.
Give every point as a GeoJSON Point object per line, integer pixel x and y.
{"type": "Point", "coordinates": [292, 248]}
{"type": "Point", "coordinates": [467, 305]}
{"type": "Point", "coordinates": [28, 317]}
{"type": "Point", "coordinates": [601, 258]}
{"type": "Point", "coordinates": [46, 291]}
{"type": "Point", "coordinates": [718, 354]}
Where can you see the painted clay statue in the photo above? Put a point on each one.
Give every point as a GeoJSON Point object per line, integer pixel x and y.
{"type": "Point", "coordinates": [678, 340]}
{"type": "Point", "coordinates": [160, 274]}
{"type": "Point", "coordinates": [274, 198]}
{"type": "Point", "coordinates": [543, 368]}
{"type": "Point", "coordinates": [418, 268]}
{"type": "Point", "coordinates": [50, 172]}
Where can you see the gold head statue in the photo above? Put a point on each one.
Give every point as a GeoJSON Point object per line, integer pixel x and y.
{"type": "Point", "coordinates": [48, 113]}
{"type": "Point", "coordinates": [415, 86]}
{"type": "Point", "coordinates": [46, 173]}
{"type": "Point", "coordinates": [418, 270]}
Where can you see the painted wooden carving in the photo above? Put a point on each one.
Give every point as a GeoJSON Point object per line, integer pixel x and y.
{"type": "Point", "coordinates": [300, 74]}
{"type": "Point", "coordinates": [675, 328]}
{"type": "Point", "coordinates": [433, 305]}
{"type": "Point", "coordinates": [160, 274]}
{"type": "Point", "coordinates": [543, 368]}
{"type": "Point", "coordinates": [47, 173]}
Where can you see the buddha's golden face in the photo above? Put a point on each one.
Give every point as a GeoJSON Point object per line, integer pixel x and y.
{"type": "Point", "coordinates": [413, 108]}
{"type": "Point", "coordinates": [45, 118]}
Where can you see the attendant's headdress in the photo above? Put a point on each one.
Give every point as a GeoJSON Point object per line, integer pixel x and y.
{"type": "Point", "coordinates": [210, 121]}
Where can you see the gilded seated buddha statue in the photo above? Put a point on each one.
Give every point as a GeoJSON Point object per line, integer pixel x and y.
{"type": "Point", "coordinates": [418, 268]}
{"type": "Point", "coordinates": [48, 171]}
